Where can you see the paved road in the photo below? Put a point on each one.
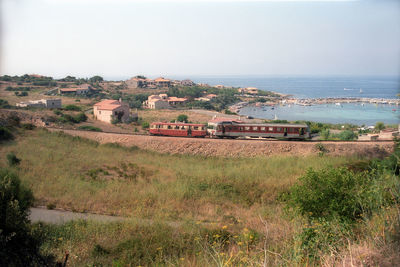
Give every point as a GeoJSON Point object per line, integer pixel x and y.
{"type": "Point", "coordinates": [60, 217]}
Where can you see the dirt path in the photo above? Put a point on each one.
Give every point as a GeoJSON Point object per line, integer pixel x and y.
{"type": "Point", "coordinates": [234, 148]}
{"type": "Point", "coordinates": [61, 216]}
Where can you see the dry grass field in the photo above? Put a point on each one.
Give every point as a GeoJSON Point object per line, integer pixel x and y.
{"type": "Point", "coordinates": [206, 211]}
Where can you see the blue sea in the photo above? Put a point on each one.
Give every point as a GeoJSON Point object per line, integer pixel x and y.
{"type": "Point", "coordinates": [320, 87]}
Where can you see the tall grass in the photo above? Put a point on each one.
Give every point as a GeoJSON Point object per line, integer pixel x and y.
{"type": "Point", "coordinates": [213, 204]}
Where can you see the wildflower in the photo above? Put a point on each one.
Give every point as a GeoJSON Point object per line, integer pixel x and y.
{"type": "Point", "coordinates": [224, 227]}
{"type": "Point", "coordinates": [240, 243]}
{"type": "Point", "coordinates": [235, 236]}
{"type": "Point", "coordinates": [196, 238]}
{"type": "Point", "coordinates": [159, 248]}
{"type": "Point", "coordinates": [60, 238]}
{"type": "Point", "coordinates": [182, 259]}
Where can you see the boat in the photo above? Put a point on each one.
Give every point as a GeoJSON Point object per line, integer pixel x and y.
{"type": "Point", "coordinates": [338, 104]}
{"type": "Point", "coordinates": [275, 117]}
{"type": "Point", "coordinates": [361, 91]}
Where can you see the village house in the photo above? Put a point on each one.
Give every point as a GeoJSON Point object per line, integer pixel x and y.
{"type": "Point", "coordinates": [162, 101]}
{"type": "Point", "coordinates": [175, 101]}
{"type": "Point", "coordinates": [248, 90]}
{"type": "Point", "coordinates": [79, 90]}
{"type": "Point", "coordinates": [157, 102]}
{"type": "Point", "coordinates": [42, 103]}
{"type": "Point", "coordinates": [137, 82]}
{"type": "Point", "coordinates": [187, 83]}
{"type": "Point", "coordinates": [162, 82]}
{"type": "Point", "coordinates": [107, 110]}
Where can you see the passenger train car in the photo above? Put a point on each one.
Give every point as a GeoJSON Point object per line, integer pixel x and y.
{"type": "Point", "coordinates": [178, 129]}
{"type": "Point", "coordinates": [264, 130]}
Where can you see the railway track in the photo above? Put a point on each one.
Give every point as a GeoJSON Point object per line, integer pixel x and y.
{"type": "Point", "coordinates": [222, 139]}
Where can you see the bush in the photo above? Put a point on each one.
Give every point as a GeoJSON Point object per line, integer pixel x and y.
{"type": "Point", "coordinates": [145, 125]}
{"type": "Point", "coordinates": [379, 126]}
{"type": "Point", "coordinates": [81, 117]}
{"type": "Point", "coordinates": [325, 134]}
{"type": "Point", "coordinates": [347, 135]}
{"type": "Point", "coordinates": [5, 134]}
{"type": "Point", "coordinates": [28, 126]}
{"type": "Point", "coordinates": [4, 104]}
{"type": "Point", "coordinates": [89, 128]}
{"type": "Point", "coordinates": [182, 118]}
{"type": "Point", "coordinates": [17, 246]}
{"type": "Point", "coordinates": [72, 108]}
{"type": "Point", "coordinates": [12, 159]}
{"type": "Point", "coordinates": [334, 193]}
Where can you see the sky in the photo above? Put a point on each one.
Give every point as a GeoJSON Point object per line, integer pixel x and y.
{"type": "Point", "coordinates": [123, 38]}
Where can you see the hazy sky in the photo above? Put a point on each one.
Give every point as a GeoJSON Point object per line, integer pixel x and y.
{"type": "Point", "coordinates": [117, 38]}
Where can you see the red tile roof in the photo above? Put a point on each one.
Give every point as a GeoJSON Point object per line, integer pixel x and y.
{"type": "Point", "coordinates": [108, 104]}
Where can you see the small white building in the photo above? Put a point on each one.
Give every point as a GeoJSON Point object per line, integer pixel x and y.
{"type": "Point", "coordinates": [42, 103]}
{"type": "Point", "coordinates": [107, 110]}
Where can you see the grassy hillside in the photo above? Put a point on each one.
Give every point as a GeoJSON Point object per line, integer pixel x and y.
{"type": "Point", "coordinates": [204, 211]}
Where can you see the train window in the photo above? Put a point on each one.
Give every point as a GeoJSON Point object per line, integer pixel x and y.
{"type": "Point", "coordinates": [271, 129]}
{"type": "Point", "coordinates": [196, 127]}
{"type": "Point", "coordinates": [176, 127]}
{"type": "Point", "coordinates": [182, 127]}
{"type": "Point", "coordinates": [203, 128]}
{"type": "Point", "coordinates": [241, 128]}
{"type": "Point", "coordinates": [279, 129]}
{"type": "Point", "coordinates": [169, 127]}
{"type": "Point", "coordinates": [262, 128]}
{"type": "Point", "coordinates": [255, 128]}
{"type": "Point", "coordinates": [247, 128]}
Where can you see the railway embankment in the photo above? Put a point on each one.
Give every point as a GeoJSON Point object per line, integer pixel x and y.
{"type": "Point", "coordinates": [236, 148]}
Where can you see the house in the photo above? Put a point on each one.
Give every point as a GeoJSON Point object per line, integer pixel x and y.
{"type": "Point", "coordinates": [210, 96]}
{"type": "Point", "coordinates": [162, 82]}
{"type": "Point", "coordinates": [79, 90]}
{"type": "Point", "coordinates": [157, 102]}
{"type": "Point", "coordinates": [248, 90]}
{"type": "Point", "coordinates": [42, 103]}
{"type": "Point", "coordinates": [162, 101]}
{"type": "Point", "coordinates": [174, 101]}
{"type": "Point", "coordinates": [137, 82]}
{"type": "Point", "coordinates": [187, 83]}
{"type": "Point", "coordinates": [107, 110]}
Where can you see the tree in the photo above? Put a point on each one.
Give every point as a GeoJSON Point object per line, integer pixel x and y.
{"type": "Point", "coordinates": [379, 126]}
{"type": "Point", "coordinates": [182, 118]}
{"type": "Point", "coordinates": [96, 79]}
{"type": "Point", "coordinates": [17, 246]}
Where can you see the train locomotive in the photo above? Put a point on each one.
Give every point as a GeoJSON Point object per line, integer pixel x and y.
{"type": "Point", "coordinates": [232, 129]}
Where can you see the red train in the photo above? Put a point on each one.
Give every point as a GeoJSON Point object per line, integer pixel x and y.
{"type": "Point", "coordinates": [263, 130]}
{"type": "Point", "coordinates": [178, 129]}
{"type": "Point", "coordinates": [232, 129]}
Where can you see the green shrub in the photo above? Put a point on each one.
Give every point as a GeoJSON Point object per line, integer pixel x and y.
{"type": "Point", "coordinates": [325, 134]}
{"type": "Point", "coordinates": [182, 118]}
{"type": "Point", "coordinates": [72, 108]}
{"type": "Point", "coordinates": [145, 125]}
{"type": "Point", "coordinates": [89, 128]}
{"type": "Point", "coordinates": [5, 134]}
{"type": "Point", "coordinates": [81, 117]}
{"type": "Point", "coordinates": [334, 193]}
{"type": "Point", "coordinates": [347, 135]}
{"type": "Point", "coordinates": [12, 159]}
{"type": "Point", "coordinates": [28, 126]}
{"type": "Point", "coordinates": [18, 247]}
{"type": "Point", "coordinates": [4, 104]}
